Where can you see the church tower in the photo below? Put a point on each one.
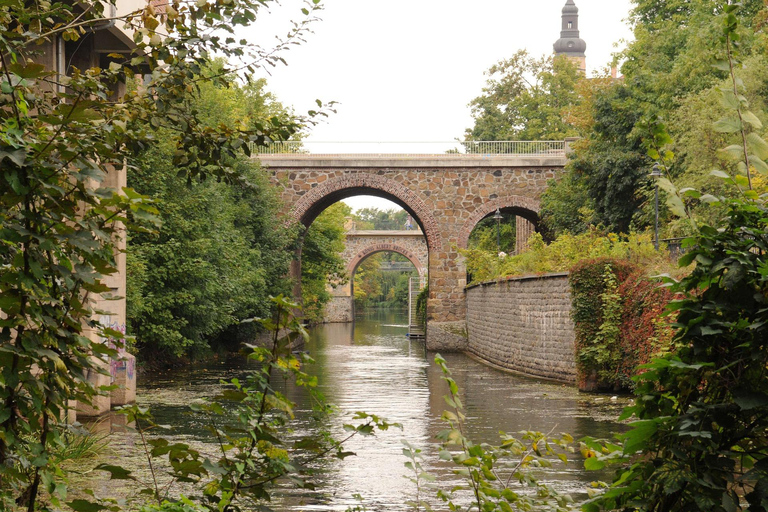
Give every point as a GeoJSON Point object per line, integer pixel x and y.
{"type": "Point", "coordinates": [570, 44]}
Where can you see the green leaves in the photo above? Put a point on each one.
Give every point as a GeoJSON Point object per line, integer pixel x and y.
{"type": "Point", "coordinates": [490, 470]}
{"type": "Point", "coordinates": [85, 506]}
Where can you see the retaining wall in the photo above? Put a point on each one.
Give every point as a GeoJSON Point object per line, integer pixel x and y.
{"type": "Point", "coordinates": [523, 324]}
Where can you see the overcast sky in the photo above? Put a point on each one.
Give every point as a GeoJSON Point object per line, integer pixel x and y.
{"type": "Point", "coordinates": [405, 70]}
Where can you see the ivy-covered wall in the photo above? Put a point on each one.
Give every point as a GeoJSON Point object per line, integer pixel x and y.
{"type": "Point", "coordinates": [591, 327]}
{"type": "Point", "coordinates": [618, 322]}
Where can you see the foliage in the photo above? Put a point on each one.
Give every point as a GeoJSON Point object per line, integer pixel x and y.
{"type": "Point", "coordinates": [668, 82]}
{"type": "Point", "coordinates": [645, 332]}
{"type": "Point", "coordinates": [563, 253]}
{"type": "Point", "coordinates": [602, 353]}
{"type": "Point", "coordinates": [616, 314]}
{"type": "Point", "coordinates": [701, 419]}
{"type": "Point", "coordinates": [526, 99]}
{"type": "Point", "coordinates": [421, 305]}
{"type": "Point", "coordinates": [384, 220]}
{"type": "Point", "coordinates": [483, 235]}
{"type": "Point", "coordinates": [566, 207]}
{"type": "Point", "coordinates": [250, 420]}
{"type": "Point", "coordinates": [490, 471]}
{"type": "Point", "coordinates": [218, 252]}
{"type": "Point", "coordinates": [701, 409]}
{"type": "Point", "coordinates": [60, 136]}
{"type": "Point", "coordinates": [611, 163]}
{"type": "Point", "coordinates": [374, 287]}
{"type": "Point", "coordinates": [367, 280]}
{"type": "Point", "coordinates": [321, 261]}
{"type": "Point", "coordinates": [596, 314]}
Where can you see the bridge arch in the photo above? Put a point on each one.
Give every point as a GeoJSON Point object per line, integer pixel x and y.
{"type": "Point", "coordinates": [318, 198]}
{"type": "Point", "coordinates": [362, 244]}
{"type": "Point", "coordinates": [358, 258]}
{"type": "Point", "coordinates": [525, 208]}
{"type": "Point", "coordinates": [441, 191]}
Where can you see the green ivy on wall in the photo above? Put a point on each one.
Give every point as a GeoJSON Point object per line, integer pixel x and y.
{"type": "Point", "coordinates": [616, 312]}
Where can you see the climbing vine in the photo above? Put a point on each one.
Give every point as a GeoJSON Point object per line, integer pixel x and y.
{"type": "Point", "coordinates": [616, 313]}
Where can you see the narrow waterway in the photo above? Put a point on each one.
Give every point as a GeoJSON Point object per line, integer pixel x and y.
{"type": "Point", "coordinates": [372, 366]}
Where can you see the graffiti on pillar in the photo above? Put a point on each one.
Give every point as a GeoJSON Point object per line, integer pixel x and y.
{"type": "Point", "coordinates": [121, 364]}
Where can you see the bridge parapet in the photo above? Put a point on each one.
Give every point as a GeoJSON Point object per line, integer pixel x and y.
{"type": "Point", "coordinates": [362, 161]}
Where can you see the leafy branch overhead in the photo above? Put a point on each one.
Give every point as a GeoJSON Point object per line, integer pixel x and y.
{"type": "Point", "coordinates": [69, 118]}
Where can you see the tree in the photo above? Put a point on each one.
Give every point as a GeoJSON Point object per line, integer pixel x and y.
{"type": "Point", "coordinates": [668, 76]}
{"type": "Point", "coordinates": [367, 280]}
{"type": "Point", "coordinates": [385, 220]}
{"type": "Point", "coordinates": [526, 99]}
{"type": "Point", "coordinates": [60, 137]}
{"type": "Point", "coordinates": [612, 164]}
{"type": "Point", "coordinates": [483, 236]}
{"type": "Point", "coordinates": [702, 408]}
{"type": "Point", "coordinates": [321, 262]}
{"type": "Point", "coordinates": [214, 261]}
{"type": "Point", "coordinates": [218, 255]}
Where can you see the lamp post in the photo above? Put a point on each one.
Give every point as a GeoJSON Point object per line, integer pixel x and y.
{"type": "Point", "coordinates": [656, 174]}
{"type": "Point", "coordinates": [498, 217]}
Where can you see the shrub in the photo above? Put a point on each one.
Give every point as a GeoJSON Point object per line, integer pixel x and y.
{"type": "Point", "coordinates": [596, 356]}
{"type": "Point", "coordinates": [565, 252]}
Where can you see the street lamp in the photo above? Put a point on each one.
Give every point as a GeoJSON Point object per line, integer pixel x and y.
{"type": "Point", "coordinates": [656, 174]}
{"type": "Point", "coordinates": [498, 218]}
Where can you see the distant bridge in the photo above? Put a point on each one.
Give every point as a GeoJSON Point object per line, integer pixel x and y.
{"type": "Point", "coordinates": [358, 246]}
{"type": "Point", "coordinates": [395, 266]}
{"type": "Point", "coordinates": [446, 190]}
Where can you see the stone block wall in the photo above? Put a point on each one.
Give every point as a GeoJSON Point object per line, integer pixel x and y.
{"type": "Point", "coordinates": [447, 336]}
{"type": "Point", "coordinates": [523, 324]}
{"type": "Point", "coordinates": [339, 309]}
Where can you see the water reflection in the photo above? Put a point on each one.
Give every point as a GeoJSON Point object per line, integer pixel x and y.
{"type": "Point", "coordinates": [372, 366]}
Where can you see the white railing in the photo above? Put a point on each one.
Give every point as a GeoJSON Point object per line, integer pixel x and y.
{"type": "Point", "coordinates": [459, 149]}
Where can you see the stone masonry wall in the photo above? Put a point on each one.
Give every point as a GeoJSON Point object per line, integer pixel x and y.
{"type": "Point", "coordinates": [524, 325]}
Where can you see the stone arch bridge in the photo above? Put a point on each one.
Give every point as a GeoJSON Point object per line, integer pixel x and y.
{"type": "Point", "coordinates": [446, 194]}
{"type": "Point", "coordinates": [358, 245]}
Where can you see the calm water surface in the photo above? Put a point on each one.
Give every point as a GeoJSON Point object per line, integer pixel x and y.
{"type": "Point", "coordinates": [372, 366]}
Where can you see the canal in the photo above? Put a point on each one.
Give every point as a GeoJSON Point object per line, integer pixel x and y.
{"type": "Point", "coordinates": [372, 366]}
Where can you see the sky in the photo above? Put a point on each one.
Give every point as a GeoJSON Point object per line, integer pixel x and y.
{"type": "Point", "coordinates": [405, 70]}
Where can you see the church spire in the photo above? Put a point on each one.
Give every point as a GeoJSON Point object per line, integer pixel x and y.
{"type": "Point", "coordinates": [570, 44]}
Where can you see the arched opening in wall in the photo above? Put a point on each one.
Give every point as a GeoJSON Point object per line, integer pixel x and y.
{"type": "Point", "coordinates": [501, 232]}
{"type": "Point", "coordinates": [380, 286]}
{"type": "Point", "coordinates": [374, 232]}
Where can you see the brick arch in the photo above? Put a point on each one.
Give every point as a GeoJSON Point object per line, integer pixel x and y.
{"type": "Point", "coordinates": [385, 247]}
{"type": "Point", "coordinates": [311, 204]}
{"type": "Point", "coordinates": [527, 207]}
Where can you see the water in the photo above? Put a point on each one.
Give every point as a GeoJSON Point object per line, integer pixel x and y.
{"type": "Point", "coordinates": [372, 366]}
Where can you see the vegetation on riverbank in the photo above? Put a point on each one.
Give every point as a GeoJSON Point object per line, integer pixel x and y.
{"type": "Point", "coordinates": [565, 252]}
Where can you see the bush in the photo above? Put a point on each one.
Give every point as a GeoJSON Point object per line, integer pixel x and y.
{"type": "Point", "coordinates": [616, 310]}
{"type": "Point", "coordinates": [565, 252]}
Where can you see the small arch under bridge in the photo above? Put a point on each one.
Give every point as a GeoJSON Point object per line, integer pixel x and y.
{"type": "Point", "coordinates": [361, 244]}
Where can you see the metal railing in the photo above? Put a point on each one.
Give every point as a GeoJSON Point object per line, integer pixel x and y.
{"type": "Point", "coordinates": [457, 148]}
{"type": "Point", "coordinates": [396, 266]}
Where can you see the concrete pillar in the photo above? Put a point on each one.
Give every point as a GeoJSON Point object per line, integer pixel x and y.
{"type": "Point", "coordinates": [523, 231]}
{"type": "Point", "coordinates": [123, 371]}
{"type": "Point", "coordinates": [100, 404]}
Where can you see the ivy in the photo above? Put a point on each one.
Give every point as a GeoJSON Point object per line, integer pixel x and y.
{"type": "Point", "coordinates": [616, 314]}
